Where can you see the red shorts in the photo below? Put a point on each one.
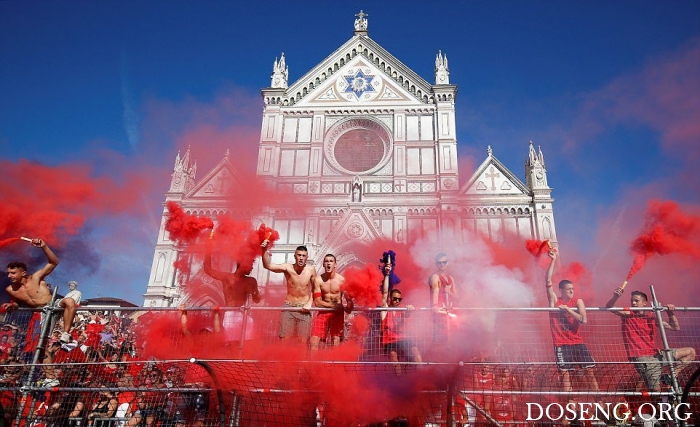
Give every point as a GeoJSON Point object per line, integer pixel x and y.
{"type": "Point", "coordinates": [326, 323]}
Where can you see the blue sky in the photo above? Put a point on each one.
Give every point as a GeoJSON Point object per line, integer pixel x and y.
{"type": "Point", "coordinates": [609, 90]}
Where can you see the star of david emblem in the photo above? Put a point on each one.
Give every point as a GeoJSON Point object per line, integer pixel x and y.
{"type": "Point", "coordinates": [359, 83]}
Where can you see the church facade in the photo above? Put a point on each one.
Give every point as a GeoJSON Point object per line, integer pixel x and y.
{"type": "Point", "coordinates": [370, 148]}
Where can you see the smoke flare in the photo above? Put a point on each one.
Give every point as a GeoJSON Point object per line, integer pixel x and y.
{"type": "Point", "coordinates": [8, 241]}
{"type": "Point", "coordinates": [667, 230]}
{"type": "Point", "coordinates": [183, 227]}
{"type": "Point", "coordinates": [362, 285]}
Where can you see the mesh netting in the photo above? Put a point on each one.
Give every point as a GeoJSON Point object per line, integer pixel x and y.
{"type": "Point", "coordinates": [229, 367]}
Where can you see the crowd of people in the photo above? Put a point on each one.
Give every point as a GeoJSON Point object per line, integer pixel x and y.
{"type": "Point", "coordinates": [108, 343]}
{"type": "Point", "coordinates": [102, 355]}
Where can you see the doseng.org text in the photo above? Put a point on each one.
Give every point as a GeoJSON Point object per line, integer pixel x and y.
{"type": "Point", "coordinates": [619, 411]}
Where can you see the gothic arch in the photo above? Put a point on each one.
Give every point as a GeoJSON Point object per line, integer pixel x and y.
{"type": "Point", "coordinates": [160, 268]}
{"type": "Point", "coordinates": [547, 228]}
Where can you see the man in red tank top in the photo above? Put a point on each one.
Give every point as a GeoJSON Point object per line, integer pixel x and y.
{"type": "Point", "coordinates": [395, 339]}
{"type": "Point", "coordinates": [569, 349]}
{"type": "Point", "coordinates": [443, 296]}
{"type": "Point", "coordinates": [639, 336]}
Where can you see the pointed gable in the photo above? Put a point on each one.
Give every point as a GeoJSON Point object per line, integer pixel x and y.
{"type": "Point", "coordinates": [492, 178]}
{"type": "Point", "coordinates": [218, 182]}
{"type": "Point", "coordinates": [353, 227]}
{"type": "Point", "coordinates": [360, 82]}
{"type": "Point", "coordinates": [359, 71]}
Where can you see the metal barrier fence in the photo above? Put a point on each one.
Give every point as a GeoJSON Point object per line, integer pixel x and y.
{"type": "Point", "coordinates": [228, 367]}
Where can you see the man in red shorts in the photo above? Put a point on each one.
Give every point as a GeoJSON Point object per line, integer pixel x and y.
{"type": "Point", "coordinates": [327, 293]}
{"type": "Point", "coordinates": [569, 349]}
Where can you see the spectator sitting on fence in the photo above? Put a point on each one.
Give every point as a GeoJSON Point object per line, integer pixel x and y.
{"type": "Point", "coordinates": [639, 337]}
{"type": "Point", "coordinates": [394, 338]}
{"type": "Point", "coordinates": [33, 291]}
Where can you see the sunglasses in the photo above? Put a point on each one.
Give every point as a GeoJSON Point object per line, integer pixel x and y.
{"type": "Point", "coordinates": [396, 299]}
{"type": "Point", "coordinates": [442, 263]}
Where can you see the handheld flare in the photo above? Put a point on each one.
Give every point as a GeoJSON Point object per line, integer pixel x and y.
{"type": "Point", "coordinates": [268, 235]}
{"type": "Point", "coordinates": [26, 239]}
{"type": "Point", "coordinates": [211, 234]}
{"type": "Point", "coordinates": [623, 284]}
{"type": "Point", "coordinates": [549, 244]}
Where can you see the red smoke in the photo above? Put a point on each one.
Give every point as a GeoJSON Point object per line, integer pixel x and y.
{"type": "Point", "coordinates": [667, 230]}
{"type": "Point", "coordinates": [580, 276]}
{"type": "Point", "coordinates": [183, 227]}
{"type": "Point", "coordinates": [362, 285]}
{"type": "Point", "coordinates": [537, 248]}
{"type": "Point", "coordinates": [53, 202]}
{"type": "Point", "coordinates": [237, 239]}
{"type": "Point", "coordinates": [266, 233]}
{"type": "Point", "coordinates": [8, 241]}
{"type": "Point", "coordinates": [240, 241]}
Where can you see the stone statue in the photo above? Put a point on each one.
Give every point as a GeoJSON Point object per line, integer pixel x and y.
{"type": "Point", "coordinates": [361, 21]}
{"type": "Point", "coordinates": [356, 193]}
{"type": "Point", "coordinates": [357, 189]}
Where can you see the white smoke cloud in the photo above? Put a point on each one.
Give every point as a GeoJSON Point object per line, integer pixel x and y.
{"type": "Point", "coordinates": [480, 280]}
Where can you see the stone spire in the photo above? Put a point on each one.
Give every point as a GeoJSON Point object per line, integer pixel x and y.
{"type": "Point", "coordinates": [183, 174]}
{"type": "Point", "coordinates": [442, 71]}
{"type": "Point", "coordinates": [361, 23]}
{"type": "Point", "coordinates": [280, 73]}
{"type": "Point", "coordinates": [535, 170]}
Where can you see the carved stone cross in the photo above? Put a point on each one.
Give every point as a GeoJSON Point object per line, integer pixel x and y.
{"type": "Point", "coordinates": [493, 175]}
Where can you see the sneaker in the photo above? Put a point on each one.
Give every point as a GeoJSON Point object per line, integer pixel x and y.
{"type": "Point", "coordinates": [65, 337]}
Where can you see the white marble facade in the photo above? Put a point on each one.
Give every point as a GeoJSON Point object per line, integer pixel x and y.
{"type": "Point", "coordinates": [371, 149]}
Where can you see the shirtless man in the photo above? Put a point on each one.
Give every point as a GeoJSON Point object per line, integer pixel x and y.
{"type": "Point", "coordinates": [32, 291]}
{"type": "Point", "coordinates": [237, 286]}
{"type": "Point", "coordinates": [328, 294]}
{"type": "Point", "coordinates": [299, 278]}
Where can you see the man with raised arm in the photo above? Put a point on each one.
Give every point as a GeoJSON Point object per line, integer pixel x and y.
{"type": "Point", "coordinates": [396, 341]}
{"type": "Point", "coordinates": [639, 336]}
{"type": "Point", "coordinates": [569, 350]}
{"type": "Point", "coordinates": [328, 294]}
{"type": "Point", "coordinates": [31, 289]}
{"type": "Point", "coordinates": [237, 286]}
{"type": "Point", "coordinates": [299, 278]}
